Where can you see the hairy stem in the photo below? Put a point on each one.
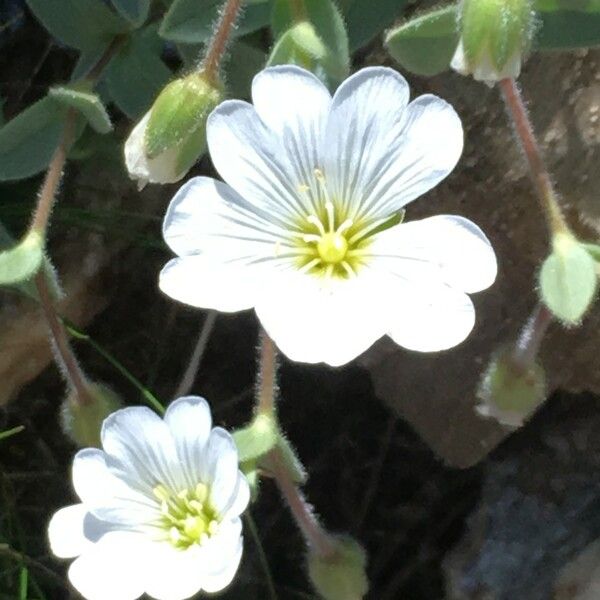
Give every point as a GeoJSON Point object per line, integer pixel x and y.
{"type": "Point", "coordinates": [539, 172]}
{"type": "Point", "coordinates": [218, 44]}
{"type": "Point", "coordinates": [315, 535]}
{"type": "Point", "coordinates": [187, 381]}
{"type": "Point", "coordinates": [65, 357]}
{"type": "Point", "coordinates": [531, 336]}
{"type": "Point", "coordinates": [47, 195]}
{"type": "Point", "coordinates": [267, 377]}
{"type": "Point", "coordinates": [298, 10]}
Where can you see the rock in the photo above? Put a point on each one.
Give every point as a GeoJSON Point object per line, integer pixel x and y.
{"type": "Point", "coordinates": [436, 392]}
{"type": "Point", "coordinates": [539, 508]}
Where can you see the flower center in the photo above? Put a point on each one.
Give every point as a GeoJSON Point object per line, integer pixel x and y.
{"type": "Point", "coordinates": [332, 247]}
{"type": "Point", "coordinates": [187, 517]}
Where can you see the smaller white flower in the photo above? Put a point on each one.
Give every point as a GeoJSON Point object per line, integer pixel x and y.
{"type": "Point", "coordinates": [160, 507]}
{"type": "Point", "coordinates": [484, 70]}
{"type": "Point", "coordinates": [162, 169]}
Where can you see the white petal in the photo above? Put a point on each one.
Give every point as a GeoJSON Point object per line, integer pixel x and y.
{"type": "Point", "coordinates": [205, 282]}
{"type": "Point", "coordinates": [287, 97]}
{"type": "Point", "coordinates": [240, 499]}
{"type": "Point", "coordinates": [313, 322]}
{"type": "Point", "coordinates": [294, 104]}
{"type": "Point", "coordinates": [220, 469]}
{"type": "Point", "coordinates": [446, 248]}
{"type": "Point", "coordinates": [173, 574]}
{"type": "Point", "coordinates": [116, 499]}
{"type": "Point", "coordinates": [190, 422]}
{"type": "Point", "coordinates": [160, 169]}
{"type": "Point", "coordinates": [218, 580]}
{"type": "Point", "coordinates": [207, 216]}
{"type": "Point", "coordinates": [111, 569]}
{"type": "Point", "coordinates": [140, 446]}
{"type": "Point", "coordinates": [431, 317]}
{"type": "Point", "coordinates": [252, 160]}
{"type": "Point", "coordinates": [65, 531]}
{"type": "Point", "coordinates": [380, 153]}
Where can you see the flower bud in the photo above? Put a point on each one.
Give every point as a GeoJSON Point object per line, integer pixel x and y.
{"type": "Point", "coordinates": [171, 136]}
{"type": "Point", "coordinates": [494, 36]}
{"type": "Point", "coordinates": [510, 392]}
{"type": "Point", "coordinates": [82, 422]}
{"type": "Point", "coordinates": [343, 575]}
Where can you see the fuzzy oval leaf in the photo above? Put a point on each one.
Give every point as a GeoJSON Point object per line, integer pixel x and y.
{"type": "Point", "coordinates": [136, 75]}
{"type": "Point", "coordinates": [22, 262]}
{"type": "Point", "coordinates": [135, 11]}
{"type": "Point", "coordinates": [329, 26]}
{"type": "Point", "coordinates": [568, 282]}
{"type": "Point", "coordinates": [86, 102]}
{"type": "Point", "coordinates": [28, 141]}
{"type": "Point", "coordinates": [365, 20]}
{"type": "Point", "coordinates": [425, 45]}
{"type": "Point", "coordinates": [193, 21]}
{"type": "Point", "coordinates": [81, 24]}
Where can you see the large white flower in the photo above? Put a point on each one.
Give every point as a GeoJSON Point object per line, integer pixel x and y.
{"type": "Point", "coordinates": [307, 227]}
{"type": "Point", "coordinates": [160, 507]}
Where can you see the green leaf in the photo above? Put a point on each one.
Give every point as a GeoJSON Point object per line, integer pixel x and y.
{"type": "Point", "coordinates": [244, 63]}
{"type": "Point", "coordinates": [28, 141]}
{"type": "Point", "coordinates": [568, 280]}
{"type": "Point", "coordinates": [83, 99]}
{"type": "Point", "coordinates": [425, 45]}
{"type": "Point", "coordinates": [10, 432]}
{"type": "Point", "coordinates": [193, 21]}
{"type": "Point", "coordinates": [83, 24]}
{"type": "Point", "coordinates": [367, 19]}
{"type": "Point", "coordinates": [22, 262]}
{"type": "Point", "coordinates": [135, 11]}
{"type": "Point", "coordinates": [568, 29]}
{"type": "Point", "coordinates": [328, 26]}
{"type": "Point", "coordinates": [575, 5]}
{"type": "Point", "coordinates": [255, 440]}
{"type": "Point", "coordinates": [136, 75]}
{"type": "Point", "coordinates": [88, 58]}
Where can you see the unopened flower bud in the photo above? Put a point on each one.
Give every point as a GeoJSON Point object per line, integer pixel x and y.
{"type": "Point", "coordinates": [171, 136]}
{"type": "Point", "coordinates": [510, 392]}
{"type": "Point", "coordinates": [82, 421]}
{"type": "Point", "coordinates": [494, 37]}
{"type": "Point", "coordinates": [341, 576]}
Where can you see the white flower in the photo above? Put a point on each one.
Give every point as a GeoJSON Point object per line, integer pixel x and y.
{"type": "Point", "coordinates": [162, 169]}
{"type": "Point", "coordinates": [160, 507]}
{"type": "Point", "coordinates": [484, 68]}
{"type": "Point", "coordinates": [307, 228]}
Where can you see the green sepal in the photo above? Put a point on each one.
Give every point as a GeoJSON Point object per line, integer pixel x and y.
{"type": "Point", "coordinates": [82, 98]}
{"type": "Point", "coordinates": [593, 250]}
{"type": "Point", "coordinates": [257, 438]}
{"type": "Point", "coordinates": [82, 422]}
{"type": "Point", "coordinates": [299, 45]}
{"type": "Point", "coordinates": [291, 461]}
{"type": "Point", "coordinates": [328, 25]}
{"type": "Point", "coordinates": [501, 28]}
{"type": "Point", "coordinates": [23, 261]}
{"type": "Point", "coordinates": [251, 472]}
{"type": "Point", "coordinates": [180, 109]}
{"type": "Point", "coordinates": [343, 575]}
{"type": "Point", "coordinates": [425, 45]}
{"type": "Point", "coordinates": [510, 392]}
{"type": "Point", "coordinates": [568, 279]}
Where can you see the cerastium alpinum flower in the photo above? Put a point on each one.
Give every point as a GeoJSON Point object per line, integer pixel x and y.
{"type": "Point", "coordinates": [160, 507]}
{"type": "Point", "coordinates": [308, 227]}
